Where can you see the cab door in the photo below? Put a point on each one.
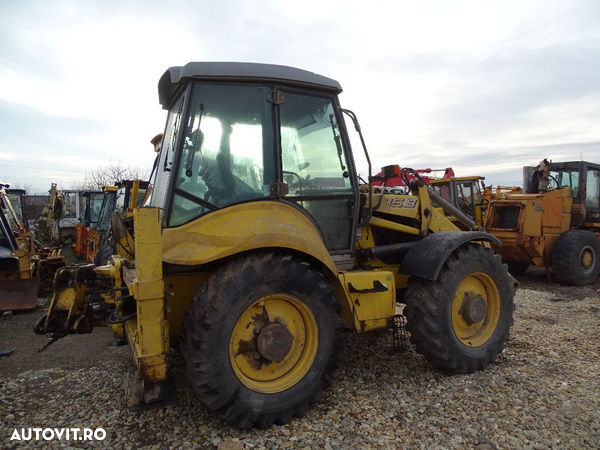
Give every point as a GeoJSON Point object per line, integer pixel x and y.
{"type": "Point", "coordinates": [464, 196]}
{"type": "Point", "coordinates": [317, 168]}
{"type": "Point", "coordinates": [592, 195]}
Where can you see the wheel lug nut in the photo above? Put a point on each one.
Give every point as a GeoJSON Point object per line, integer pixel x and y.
{"type": "Point", "coordinates": [256, 330]}
{"type": "Point", "coordinates": [256, 355]}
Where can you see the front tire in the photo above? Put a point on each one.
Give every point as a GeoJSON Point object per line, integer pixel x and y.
{"type": "Point", "coordinates": [261, 338]}
{"type": "Point", "coordinates": [575, 258]}
{"type": "Point", "coordinates": [460, 321]}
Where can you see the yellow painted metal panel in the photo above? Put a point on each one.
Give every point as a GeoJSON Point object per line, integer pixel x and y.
{"type": "Point", "coordinates": [239, 228]}
{"type": "Point", "coordinates": [369, 310]}
{"type": "Point", "coordinates": [389, 225]}
{"type": "Point", "coordinates": [532, 218]}
{"type": "Point", "coordinates": [404, 205]}
{"type": "Point", "coordinates": [150, 336]}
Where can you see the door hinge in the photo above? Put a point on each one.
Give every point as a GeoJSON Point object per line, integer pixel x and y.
{"type": "Point", "coordinates": [279, 189]}
{"type": "Point", "coordinates": [276, 97]}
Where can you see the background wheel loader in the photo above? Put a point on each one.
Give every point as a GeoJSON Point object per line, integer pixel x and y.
{"type": "Point", "coordinates": [555, 223]}
{"type": "Point", "coordinates": [260, 246]}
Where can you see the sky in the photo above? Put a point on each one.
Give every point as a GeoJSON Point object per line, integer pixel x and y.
{"type": "Point", "coordinates": [485, 87]}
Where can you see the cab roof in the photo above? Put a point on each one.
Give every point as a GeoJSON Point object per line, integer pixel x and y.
{"type": "Point", "coordinates": [446, 180]}
{"type": "Point", "coordinates": [176, 76]}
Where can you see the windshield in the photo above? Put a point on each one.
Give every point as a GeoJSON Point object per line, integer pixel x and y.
{"type": "Point", "coordinates": [443, 190]}
{"type": "Point", "coordinates": [140, 197]}
{"type": "Point", "coordinates": [227, 148]}
{"type": "Point", "coordinates": [120, 199]}
{"type": "Point", "coordinates": [161, 174]}
{"type": "Point", "coordinates": [592, 190]}
{"type": "Point", "coordinates": [565, 178]}
{"type": "Point", "coordinates": [16, 200]}
{"type": "Point", "coordinates": [314, 162]}
{"type": "Point", "coordinates": [70, 205]}
{"type": "Point", "coordinates": [95, 206]}
{"type": "Point", "coordinates": [108, 205]}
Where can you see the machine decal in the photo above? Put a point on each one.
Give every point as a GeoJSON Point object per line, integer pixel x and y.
{"type": "Point", "coordinates": [402, 202]}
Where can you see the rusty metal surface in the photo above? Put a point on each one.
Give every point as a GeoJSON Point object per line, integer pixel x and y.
{"type": "Point", "coordinates": [274, 342]}
{"type": "Point", "coordinates": [474, 308]}
{"type": "Point", "coordinates": [18, 294]}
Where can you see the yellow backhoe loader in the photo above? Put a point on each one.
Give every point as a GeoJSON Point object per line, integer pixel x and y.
{"type": "Point", "coordinates": [48, 231]}
{"type": "Point", "coordinates": [259, 245]}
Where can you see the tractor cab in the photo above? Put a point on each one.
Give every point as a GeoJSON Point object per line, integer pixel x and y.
{"type": "Point", "coordinates": [463, 192]}
{"type": "Point", "coordinates": [16, 199]}
{"type": "Point", "coordinates": [11, 202]}
{"type": "Point", "coordinates": [252, 136]}
{"type": "Point", "coordinates": [78, 209]}
{"type": "Point", "coordinates": [125, 191]}
{"type": "Point", "coordinates": [117, 198]}
{"type": "Point", "coordinates": [92, 205]}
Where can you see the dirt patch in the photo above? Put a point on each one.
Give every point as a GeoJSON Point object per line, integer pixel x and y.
{"type": "Point", "coordinates": [536, 279]}
{"type": "Point", "coordinates": [71, 352]}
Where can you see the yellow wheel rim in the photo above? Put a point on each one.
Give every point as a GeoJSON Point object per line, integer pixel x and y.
{"type": "Point", "coordinates": [274, 343]}
{"type": "Point", "coordinates": [475, 309]}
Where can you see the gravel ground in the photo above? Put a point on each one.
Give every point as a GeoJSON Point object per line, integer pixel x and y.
{"type": "Point", "coordinates": [543, 391]}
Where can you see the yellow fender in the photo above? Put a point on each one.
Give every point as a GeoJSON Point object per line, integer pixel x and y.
{"type": "Point", "coordinates": [240, 228]}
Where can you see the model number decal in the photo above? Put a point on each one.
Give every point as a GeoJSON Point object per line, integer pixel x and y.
{"type": "Point", "coordinates": [402, 202]}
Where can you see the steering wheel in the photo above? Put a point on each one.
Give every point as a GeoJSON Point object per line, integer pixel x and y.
{"type": "Point", "coordinates": [552, 182]}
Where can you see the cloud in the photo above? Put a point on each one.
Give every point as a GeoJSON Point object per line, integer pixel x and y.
{"type": "Point", "coordinates": [484, 86]}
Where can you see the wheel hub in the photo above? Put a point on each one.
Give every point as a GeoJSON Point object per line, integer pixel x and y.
{"type": "Point", "coordinates": [274, 342]}
{"type": "Point", "coordinates": [474, 308]}
{"type": "Point", "coordinates": [587, 259]}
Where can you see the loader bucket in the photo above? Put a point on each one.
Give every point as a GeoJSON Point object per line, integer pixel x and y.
{"type": "Point", "coordinates": [18, 294]}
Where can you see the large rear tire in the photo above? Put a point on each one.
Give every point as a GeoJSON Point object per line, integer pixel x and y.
{"type": "Point", "coordinates": [576, 258]}
{"type": "Point", "coordinates": [261, 338]}
{"type": "Point", "coordinates": [460, 321]}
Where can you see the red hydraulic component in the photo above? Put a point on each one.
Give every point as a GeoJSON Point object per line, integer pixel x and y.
{"type": "Point", "coordinates": [394, 176]}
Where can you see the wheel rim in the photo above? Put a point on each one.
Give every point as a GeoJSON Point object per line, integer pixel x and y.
{"type": "Point", "coordinates": [274, 343]}
{"type": "Point", "coordinates": [587, 259]}
{"type": "Point", "coordinates": [475, 309]}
